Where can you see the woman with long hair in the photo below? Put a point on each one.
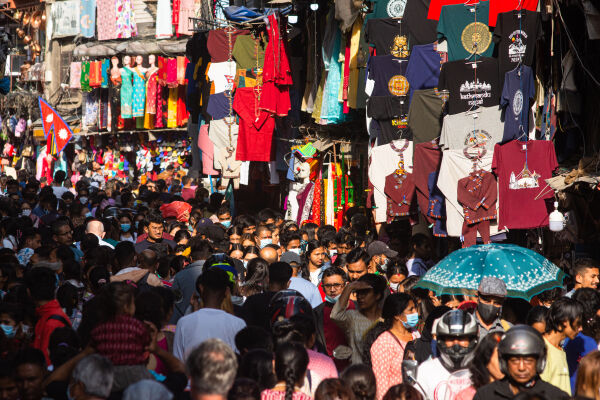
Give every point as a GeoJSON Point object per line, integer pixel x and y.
{"type": "Point", "coordinates": [587, 386]}
{"type": "Point", "coordinates": [291, 361]}
{"type": "Point", "coordinates": [312, 262]}
{"type": "Point", "coordinates": [400, 318]}
{"type": "Point", "coordinates": [485, 367]}
{"type": "Point", "coordinates": [257, 364]}
{"type": "Point", "coordinates": [257, 277]}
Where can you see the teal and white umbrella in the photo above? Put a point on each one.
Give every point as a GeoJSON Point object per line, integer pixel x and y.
{"type": "Point", "coordinates": [525, 272]}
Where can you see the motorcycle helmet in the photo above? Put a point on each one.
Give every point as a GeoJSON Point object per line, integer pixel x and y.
{"type": "Point", "coordinates": [456, 324]}
{"type": "Point", "coordinates": [521, 341]}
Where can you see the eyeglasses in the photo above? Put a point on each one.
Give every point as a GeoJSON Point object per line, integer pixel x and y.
{"type": "Point", "coordinates": [332, 285]}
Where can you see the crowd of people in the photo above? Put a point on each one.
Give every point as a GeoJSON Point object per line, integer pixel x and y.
{"type": "Point", "coordinates": [114, 290]}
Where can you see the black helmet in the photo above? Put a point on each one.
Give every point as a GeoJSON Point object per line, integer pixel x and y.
{"type": "Point", "coordinates": [454, 324]}
{"type": "Point", "coordinates": [522, 340]}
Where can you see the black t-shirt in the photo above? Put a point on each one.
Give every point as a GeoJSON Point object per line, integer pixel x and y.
{"type": "Point", "coordinates": [420, 29]}
{"type": "Point", "coordinates": [389, 74]}
{"type": "Point", "coordinates": [470, 86]}
{"type": "Point", "coordinates": [516, 44]}
{"type": "Point", "coordinates": [254, 310]}
{"type": "Point", "coordinates": [391, 114]}
{"type": "Point", "coordinates": [389, 36]}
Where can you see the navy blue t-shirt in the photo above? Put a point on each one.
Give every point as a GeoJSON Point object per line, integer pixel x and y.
{"type": "Point", "coordinates": [517, 93]}
{"type": "Point", "coordinates": [218, 106]}
{"type": "Point", "coordinates": [389, 74]}
{"type": "Point", "coordinates": [424, 66]}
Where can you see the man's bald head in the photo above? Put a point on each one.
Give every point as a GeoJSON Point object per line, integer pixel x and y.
{"type": "Point", "coordinates": [148, 260]}
{"type": "Point", "coordinates": [269, 254]}
{"type": "Point", "coordinates": [96, 227]}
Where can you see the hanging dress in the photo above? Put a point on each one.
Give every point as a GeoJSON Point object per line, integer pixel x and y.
{"type": "Point", "coordinates": [172, 108]}
{"type": "Point", "coordinates": [126, 26]}
{"type": "Point", "coordinates": [164, 28]}
{"type": "Point", "coordinates": [139, 93]}
{"type": "Point", "coordinates": [126, 92]}
{"type": "Point", "coordinates": [106, 19]}
{"type": "Point", "coordinates": [187, 9]}
{"type": "Point", "coordinates": [151, 92]}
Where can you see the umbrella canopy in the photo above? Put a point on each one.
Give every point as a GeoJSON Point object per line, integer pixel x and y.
{"type": "Point", "coordinates": [525, 272]}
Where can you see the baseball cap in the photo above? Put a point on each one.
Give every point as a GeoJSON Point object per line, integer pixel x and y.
{"type": "Point", "coordinates": [290, 257]}
{"type": "Point", "coordinates": [492, 286]}
{"type": "Point", "coordinates": [378, 247]}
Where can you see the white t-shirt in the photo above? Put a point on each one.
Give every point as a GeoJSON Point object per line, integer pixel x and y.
{"type": "Point", "coordinates": [204, 324]}
{"type": "Point", "coordinates": [383, 161]}
{"type": "Point", "coordinates": [438, 382]}
{"type": "Point", "coordinates": [314, 277]}
{"type": "Point", "coordinates": [223, 75]}
{"type": "Point", "coordinates": [455, 166]}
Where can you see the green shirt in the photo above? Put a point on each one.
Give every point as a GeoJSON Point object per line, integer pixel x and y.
{"type": "Point", "coordinates": [463, 27]}
{"type": "Point", "coordinates": [244, 52]}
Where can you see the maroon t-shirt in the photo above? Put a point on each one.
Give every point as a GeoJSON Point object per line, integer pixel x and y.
{"type": "Point", "coordinates": [218, 43]}
{"type": "Point", "coordinates": [521, 179]}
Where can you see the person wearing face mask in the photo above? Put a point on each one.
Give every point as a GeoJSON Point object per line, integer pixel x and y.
{"type": "Point", "coordinates": [263, 236]}
{"type": "Point", "coordinates": [491, 294]}
{"type": "Point", "coordinates": [224, 216]}
{"type": "Point", "coordinates": [333, 282]}
{"type": "Point", "coordinates": [380, 255]}
{"type": "Point", "coordinates": [400, 318]}
{"type": "Point", "coordinates": [396, 273]}
{"type": "Point", "coordinates": [125, 229]}
{"type": "Point", "coordinates": [290, 241]}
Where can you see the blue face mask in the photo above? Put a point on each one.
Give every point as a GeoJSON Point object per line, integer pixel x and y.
{"type": "Point", "coordinates": [332, 299]}
{"type": "Point", "coordinates": [125, 227]}
{"type": "Point", "coordinates": [137, 224]}
{"type": "Point", "coordinates": [88, 214]}
{"type": "Point", "coordinates": [226, 224]}
{"type": "Point", "coordinates": [411, 320]}
{"type": "Point", "coordinates": [265, 242]}
{"type": "Point", "coordinates": [9, 330]}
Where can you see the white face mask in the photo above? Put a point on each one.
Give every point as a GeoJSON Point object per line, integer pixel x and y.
{"type": "Point", "coordinates": [265, 242]}
{"type": "Point", "coordinates": [26, 212]}
{"type": "Point", "coordinates": [296, 250]}
{"type": "Point", "coordinates": [332, 253]}
{"type": "Point", "coordinates": [394, 286]}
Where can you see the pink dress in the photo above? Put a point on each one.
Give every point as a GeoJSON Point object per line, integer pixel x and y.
{"type": "Point", "coordinates": [106, 19]}
{"type": "Point", "coordinates": [208, 149]}
{"type": "Point", "coordinates": [186, 10]}
{"type": "Point", "coordinates": [387, 353]}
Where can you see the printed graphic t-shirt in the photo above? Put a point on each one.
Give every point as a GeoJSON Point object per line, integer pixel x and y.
{"type": "Point", "coordinates": [389, 36]}
{"type": "Point", "coordinates": [470, 84]}
{"type": "Point", "coordinates": [388, 9]}
{"type": "Point", "coordinates": [501, 6]}
{"type": "Point", "coordinates": [223, 75]}
{"type": "Point", "coordinates": [514, 44]}
{"type": "Point", "coordinates": [389, 75]}
{"type": "Point", "coordinates": [517, 94]}
{"type": "Point", "coordinates": [391, 114]}
{"type": "Point", "coordinates": [482, 129]}
{"type": "Point", "coordinates": [466, 30]}
{"type": "Point", "coordinates": [521, 178]}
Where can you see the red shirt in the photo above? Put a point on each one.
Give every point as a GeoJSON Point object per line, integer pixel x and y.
{"type": "Point", "coordinates": [501, 6]}
{"type": "Point", "coordinates": [45, 325]}
{"type": "Point", "coordinates": [256, 127]}
{"type": "Point", "coordinates": [188, 193]}
{"type": "Point", "coordinates": [520, 182]}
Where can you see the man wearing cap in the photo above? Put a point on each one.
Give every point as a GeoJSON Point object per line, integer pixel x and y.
{"type": "Point", "coordinates": [380, 255]}
{"type": "Point", "coordinates": [490, 297]}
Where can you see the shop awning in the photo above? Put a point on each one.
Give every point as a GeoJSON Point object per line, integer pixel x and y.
{"type": "Point", "coordinates": [137, 47]}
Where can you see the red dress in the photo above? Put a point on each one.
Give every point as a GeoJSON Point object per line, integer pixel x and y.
{"type": "Point", "coordinates": [151, 93]}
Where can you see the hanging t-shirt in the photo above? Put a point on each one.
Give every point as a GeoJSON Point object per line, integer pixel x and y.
{"type": "Point", "coordinates": [218, 105]}
{"type": "Point", "coordinates": [389, 75]}
{"type": "Point", "coordinates": [518, 91]}
{"type": "Point", "coordinates": [420, 29]}
{"type": "Point", "coordinates": [246, 51]}
{"type": "Point", "coordinates": [480, 128]}
{"type": "Point", "coordinates": [426, 159]}
{"type": "Point", "coordinates": [501, 6]}
{"type": "Point", "coordinates": [391, 113]}
{"type": "Point", "coordinates": [218, 132]}
{"type": "Point", "coordinates": [522, 169]}
{"type": "Point", "coordinates": [222, 75]}
{"type": "Point", "coordinates": [455, 166]}
{"type": "Point", "coordinates": [389, 36]}
{"type": "Point", "coordinates": [435, 7]}
{"type": "Point", "coordinates": [388, 9]}
{"type": "Point", "coordinates": [465, 28]}
{"type": "Point", "coordinates": [516, 38]}
{"type": "Point", "coordinates": [470, 84]}
{"type": "Point", "coordinates": [424, 66]}
{"type": "Point", "coordinates": [425, 115]}
{"type": "Point", "coordinates": [218, 43]}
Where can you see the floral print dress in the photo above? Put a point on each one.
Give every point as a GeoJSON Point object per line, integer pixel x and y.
{"type": "Point", "coordinates": [126, 26]}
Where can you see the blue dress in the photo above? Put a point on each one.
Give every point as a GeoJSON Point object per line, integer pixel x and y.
{"type": "Point", "coordinates": [139, 93]}
{"type": "Point", "coordinates": [126, 92]}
